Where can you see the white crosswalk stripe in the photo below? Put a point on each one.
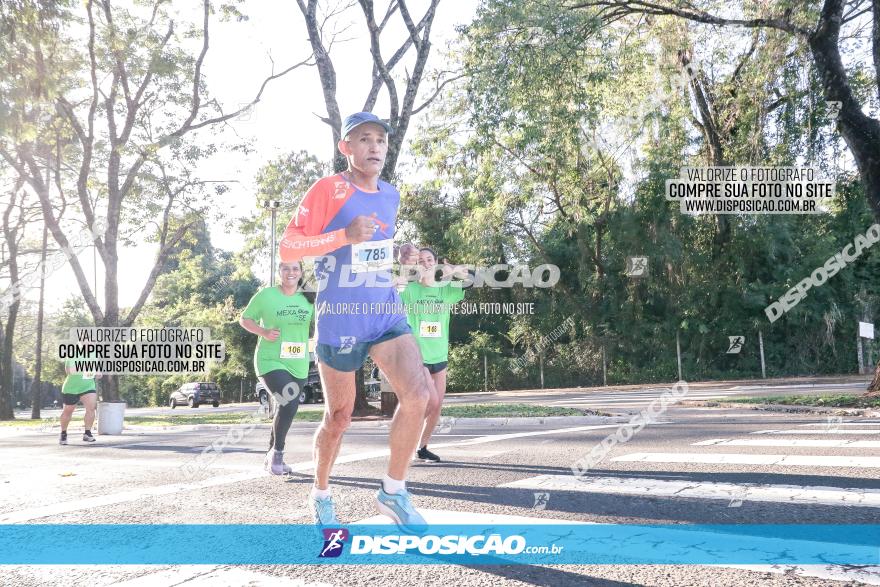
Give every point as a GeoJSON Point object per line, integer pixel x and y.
{"type": "Point", "coordinates": [831, 430]}
{"type": "Point", "coordinates": [651, 487]}
{"type": "Point", "coordinates": [752, 459]}
{"type": "Point", "coordinates": [793, 442]}
{"type": "Point", "coordinates": [829, 434]}
{"type": "Point", "coordinates": [832, 423]}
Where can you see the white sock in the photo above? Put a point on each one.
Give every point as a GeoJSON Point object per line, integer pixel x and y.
{"type": "Point", "coordinates": [320, 493]}
{"type": "Point", "coordinates": [392, 485]}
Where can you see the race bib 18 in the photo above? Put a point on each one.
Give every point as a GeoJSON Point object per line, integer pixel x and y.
{"type": "Point", "coordinates": [430, 330]}
{"type": "Point", "coordinates": [293, 350]}
{"type": "Point", "coordinates": [372, 256]}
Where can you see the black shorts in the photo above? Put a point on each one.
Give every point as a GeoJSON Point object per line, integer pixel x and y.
{"type": "Point", "coordinates": [71, 399]}
{"type": "Point", "coordinates": [435, 367]}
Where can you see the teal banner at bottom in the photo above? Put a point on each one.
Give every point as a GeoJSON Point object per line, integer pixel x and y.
{"type": "Point", "coordinates": [539, 544]}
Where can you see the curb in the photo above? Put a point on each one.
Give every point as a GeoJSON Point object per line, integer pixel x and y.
{"type": "Point", "coordinates": [867, 412]}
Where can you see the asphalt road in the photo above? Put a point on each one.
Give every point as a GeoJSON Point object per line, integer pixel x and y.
{"type": "Point", "coordinates": [697, 465]}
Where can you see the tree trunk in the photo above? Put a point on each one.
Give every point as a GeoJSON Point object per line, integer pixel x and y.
{"type": "Point", "coordinates": [361, 406]}
{"type": "Point", "coordinates": [860, 132]}
{"type": "Point", "coordinates": [36, 385]}
{"type": "Point", "coordinates": [6, 392]}
{"type": "Point", "coordinates": [874, 387]}
{"type": "Point", "coordinates": [7, 333]}
{"type": "Point", "coordinates": [110, 383]}
{"type": "Point", "coordinates": [110, 388]}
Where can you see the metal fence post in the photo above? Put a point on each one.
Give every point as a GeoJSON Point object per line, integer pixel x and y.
{"type": "Point", "coordinates": [678, 354]}
{"type": "Point", "coordinates": [761, 347]}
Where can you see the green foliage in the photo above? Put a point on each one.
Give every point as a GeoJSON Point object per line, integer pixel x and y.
{"type": "Point", "coordinates": [286, 180]}
{"type": "Point", "coordinates": [820, 401]}
{"type": "Point", "coordinates": [209, 288]}
{"type": "Point", "coordinates": [508, 411]}
{"type": "Point", "coordinates": [572, 130]}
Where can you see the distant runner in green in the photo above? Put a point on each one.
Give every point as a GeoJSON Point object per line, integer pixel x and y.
{"type": "Point", "coordinates": [428, 304]}
{"type": "Point", "coordinates": [78, 387]}
{"type": "Point", "coordinates": [281, 315]}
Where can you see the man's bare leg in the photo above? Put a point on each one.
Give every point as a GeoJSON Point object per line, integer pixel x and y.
{"type": "Point", "coordinates": [339, 393]}
{"type": "Point", "coordinates": [401, 362]}
{"type": "Point", "coordinates": [435, 405]}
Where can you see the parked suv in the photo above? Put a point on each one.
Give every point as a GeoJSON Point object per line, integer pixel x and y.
{"type": "Point", "coordinates": [195, 394]}
{"type": "Point", "coordinates": [310, 394]}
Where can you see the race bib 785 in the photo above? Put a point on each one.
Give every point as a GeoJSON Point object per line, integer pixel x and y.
{"type": "Point", "coordinates": [372, 256]}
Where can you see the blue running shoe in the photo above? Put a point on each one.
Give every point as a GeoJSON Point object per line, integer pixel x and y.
{"type": "Point", "coordinates": [323, 511]}
{"type": "Point", "coordinates": [399, 508]}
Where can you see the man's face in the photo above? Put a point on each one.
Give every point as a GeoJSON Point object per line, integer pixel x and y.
{"type": "Point", "coordinates": [290, 273]}
{"type": "Point", "coordinates": [365, 148]}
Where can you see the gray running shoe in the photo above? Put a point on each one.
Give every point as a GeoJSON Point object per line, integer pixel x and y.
{"type": "Point", "coordinates": [275, 463]}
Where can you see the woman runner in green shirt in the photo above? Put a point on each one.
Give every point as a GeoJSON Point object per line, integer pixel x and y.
{"type": "Point", "coordinates": [281, 316]}
{"type": "Point", "coordinates": [427, 311]}
{"type": "Point", "coordinates": [78, 387]}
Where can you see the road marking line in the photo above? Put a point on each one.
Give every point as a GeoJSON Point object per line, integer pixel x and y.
{"type": "Point", "coordinates": [142, 492]}
{"type": "Point", "coordinates": [449, 517]}
{"type": "Point", "coordinates": [722, 413]}
{"type": "Point", "coordinates": [753, 459]}
{"type": "Point", "coordinates": [816, 386]}
{"type": "Point", "coordinates": [830, 431]}
{"type": "Point", "coordinates": [72, 462]}
{"type": "Point", "coordinates": [808, 442]}
{"type": "Point", "coordinates": [649, 487]}
{"type": "Point", "coordinates": [835, 424]}
{"type": "Point", "coordinates": [122, 497]}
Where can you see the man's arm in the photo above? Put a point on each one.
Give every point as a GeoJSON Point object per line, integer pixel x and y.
{"type": "Point", "coordinates": [298, 241]}
{"type": "Point", "coordinates": [303, 238]}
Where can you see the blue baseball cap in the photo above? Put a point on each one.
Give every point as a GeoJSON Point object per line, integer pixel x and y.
{"type": "Point", "coordinates": [359, 118]}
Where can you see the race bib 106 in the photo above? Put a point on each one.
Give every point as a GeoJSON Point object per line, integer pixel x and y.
{"type": "Point", "coordinates": [293, 350]}
{"type": "Point", "coordinates": [430, 330]}
{"type": "Point", "coordinates": [372, 256]}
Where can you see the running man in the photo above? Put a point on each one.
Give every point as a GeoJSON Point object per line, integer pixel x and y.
{"type": "Point", "coordinates": [348, 221]}
{"type": "Point", "coordinates": [427, 310]}
{"type": "Point", "coordinates": [281, 316]}
{"type": "Point", "coordinates": [78, 388]}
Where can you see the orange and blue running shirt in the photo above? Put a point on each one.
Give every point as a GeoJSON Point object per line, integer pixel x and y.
{"type": "Point", "coordinates": [356, 302]}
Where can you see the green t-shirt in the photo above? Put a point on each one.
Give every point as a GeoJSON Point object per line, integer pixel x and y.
{"type": "Point", "coordinates": [291, 315]}
{"type": "Point", "coordinates": [430, 325]}
{"type": "Point", "coordinates": [78, 383]}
